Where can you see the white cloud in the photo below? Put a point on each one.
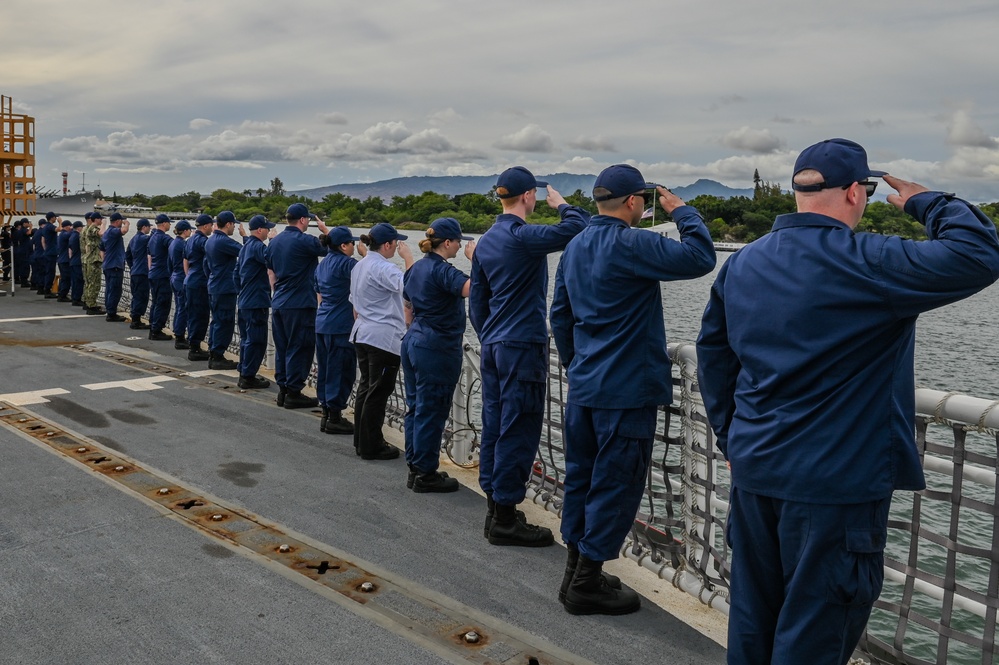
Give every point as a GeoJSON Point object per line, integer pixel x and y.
{"type": "Point", "coordinates": [444, 117]}
{"type": "Point", "coordinates": [965, 132]}
{"type": "Point", "coordinates": [200, 123]}
{"type": "Point", "coordinates": [529, 139]}
{"type": "Point", "coordinates": [760, 141]}
{"type": "Point", "coordinates": [334, 118]}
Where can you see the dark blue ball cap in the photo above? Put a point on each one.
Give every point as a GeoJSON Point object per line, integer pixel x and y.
{"type": "Point", "coordinates": [96, 215]}
{"type": "Point", "coordinates": [50, 215]}
{"type": "Point", "coordinates": [383, 233]}
{"type": "Point", "coordinates": [88, 215]}
{"type": "Point", "coordinates": [297, 211]}
{"type": "Point", "coordinates": [446, 228]}
{"type": "Point", "coordinates": [226, 217]}
{"type": "Point", "coordinates": [162, 219]}
{"type": "Point", "coordinates": [66, 223]}
{"type": "Point", "coordinates": [117, 217]}
{"type": "Point", "coordinates": [840, 161]}
{"type": "Point", "coordinates": [515, 181]}
{"type": "Point", "coordinates": [260, 222]}
{"type": "Point", "coordinates": [142, 223]}
{"type": "Point", "coordinates": [182, 225]}
{"type": "Point", "coordinates": [619, 180]}
{"type": "Point", "coordinates": [338, 235]}
{"type": "Point", "coordinates": [77, 224]}
{"type": "Point", "coordinates": [202, 220]}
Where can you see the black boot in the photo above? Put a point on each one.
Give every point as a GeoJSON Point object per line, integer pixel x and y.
{"type": "Point", "coordinates": [180, 343]}
{"type": "Point", "coordinates": [491, 509]}
{"type": "Point", "coordinates": [197, 353]}
{"type": "Point", "coordinates": [220, 362]}
{"type": "Point", "coordinates": [411, 478]}
{"type": "Point", "coordinates": [159, 336]}
{"type": "Point", "coordinates": [589, 593]}
{"type": "Point", "coordinates": [325, 419]}
{"type": "Point", "coordinates": [506, 529]}
{"type": "Point", "coordinates": [294, 399]}
{"type": "Point", "coordinates": [282, 393]}
{"type": "Point", "coordinates": [255, 382]}
{"type": "Point", "coordinates": [434, 482]}
{"type": "Point", "coordinates": [613, 581]}
{"type": "Point", "coordinates": [338, 424]}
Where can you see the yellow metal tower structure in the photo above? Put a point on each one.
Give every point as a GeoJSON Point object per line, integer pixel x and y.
{"type": "Point", "coordinates": [17, 162]}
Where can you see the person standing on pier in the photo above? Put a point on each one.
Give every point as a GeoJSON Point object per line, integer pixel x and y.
{"type": "Point", "coordinates": [434, 294]}
{"type": "Point", "coordinates": [93, 257]}
{"type": "Point", "coordinates": [137, 259]}
{"type": "Point", "coordinates": [336, 359]}
{"type": "Point", "coordinates": [178, 272]}
{"type": "Point", "coordinates": [253, 303]}
{"type": "Point", "coordinates": [607, 323]}
{"type": "Point", "coordinates": [805, 365]}
{"type": "Point", "coordinates": [50, 252]}
{"type": "Point", "coordinates": [159, 278]}
{"type": "Point", "coordinates": [62, 260]}
{"type": "Point", "coordinates": [114, 265]}
{"type": "Point", "coordinates": [75, 266]}
{"type": "Point", "coordinates": [37, 258]}
{"type": "Point", "coordinates": [221, 252]}
{"type": "Point", "coordinates": [506, 307]}
{"type": "Point", "coordinates": [196, 288]}
{"type": "Point", "coordinates": [291, 264]}
{"type": "Point", "coordinates": [21, 238]}
{"type": "Point", "coordinates": [376, 293]}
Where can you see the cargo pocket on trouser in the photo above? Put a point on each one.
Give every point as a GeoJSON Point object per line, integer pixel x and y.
{"type": "Point", "coordinates": [634, 446]}
{"type": "Point", "coordinates": [861, 571]}
{"type": "Point", "coordinates": [531, 390]}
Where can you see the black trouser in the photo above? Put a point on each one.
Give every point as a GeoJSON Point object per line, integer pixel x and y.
{"type": "Point", "coordinates": [378, 370]}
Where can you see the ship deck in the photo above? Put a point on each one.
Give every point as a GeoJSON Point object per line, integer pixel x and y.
{"type": "Point", "coordinates": [100, 567]}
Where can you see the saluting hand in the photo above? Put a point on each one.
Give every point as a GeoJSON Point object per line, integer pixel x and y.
{"type": "Point", "coordinates": [906, 190]}
{"type": "Point", "coordinates": [668, 200]}
{"type": "Point", "coordinates": [242, 230]}
{"type": "Point", "coordinates": [554, 199]}
{"type": "Point", "coordinates": [469, 249]}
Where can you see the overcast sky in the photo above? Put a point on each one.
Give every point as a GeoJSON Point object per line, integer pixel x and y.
{"type": "Point", "coordinates": [183, 95]}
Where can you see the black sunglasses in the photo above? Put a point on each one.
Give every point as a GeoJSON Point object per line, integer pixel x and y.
{"type": "Point", "coordinates": [646, 196]}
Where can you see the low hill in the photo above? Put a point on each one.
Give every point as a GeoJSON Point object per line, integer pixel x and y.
{"type": "Point", "coordinates": [567, 183]}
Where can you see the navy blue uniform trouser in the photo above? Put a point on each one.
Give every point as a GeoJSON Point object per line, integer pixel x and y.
{"type": "Point", "coordinates": [607, 454]}
{"type": "Point", "coordinates": [337, 369]}
{"type": "Point", "coordinates": [430, 377]}
{"type": "Point", "coordinates": [76, 282]}
{"type": "Point", "coordinates": [514, 383]}
{"type": "Point", "coordinates": [252, 339]}
{"type": "Point", "coordinates": [139, 285]}
{"type": "Point", "coordinates": [37, 272]}
{"type": "Point", "coordinates": [804, 577]}
{"type": "Point", "coordinates": [159, 303]}
{"type": "Point", "coordinates": [379, 369]}
{"type": "Point", "coordinates": [22, 268]}
{"type": "Point", "coordinates": [114, 278]}
{"type": "Point", "coordinates": [223, 308]}
{"type": "Point", "coordinates": [65, 279]}
{"type": "Point", "coordinates": [179, 307]}
{"type": "Point", "coordinates": [50, 271]}
{"type": "Point", "coordinates": [197, 313]}
{"type": "Point", "coordinates": [294, 333]}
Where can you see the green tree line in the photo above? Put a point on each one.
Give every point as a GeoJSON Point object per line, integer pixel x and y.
{"type": "Point", "coordinates": [736, 219]}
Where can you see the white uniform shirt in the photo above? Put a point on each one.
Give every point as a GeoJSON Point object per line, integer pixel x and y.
{"type": "Point", "coordinates": [376, 293]}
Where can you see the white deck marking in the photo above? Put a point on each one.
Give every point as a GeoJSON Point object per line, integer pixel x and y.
{"type": "Point", "coordinates": [135, 385]}
{"type": "Point", "coordinates": [46, 318]}
{"type": "Point", "coordinates": [31, 397]}
{"type": "Point", "coordinates": [211, 372]}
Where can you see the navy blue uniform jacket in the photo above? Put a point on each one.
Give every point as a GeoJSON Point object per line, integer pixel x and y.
{"type": "Point", "coordinates": [433, 287]}
{"type": "Point", "coordinates": [114, 248]}
{"type": "Point", "coordinates": [159, 251]}
{"type": "Point", "coordinates": [251, 275]}
{"type": "Point", "coordinates": [292, 255]}
{"type": "Point", "coordinates": [510, 276]}
{"type": "Point", "coordinates": [607, 313]}
{"type": "Point", "coordinates": [805, 355]}
{"type": "Point", "coordinates": [335, 315]}
{"type": "Point", "coordinates": [221, 253]}
{"type": "Point", "coordinates": [194, 252]}
{"type": "Point", "coordinates": [137, 254]}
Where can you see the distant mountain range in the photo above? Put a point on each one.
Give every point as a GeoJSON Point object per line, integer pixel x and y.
{"type": "Point", "coordinates": [566, 183]}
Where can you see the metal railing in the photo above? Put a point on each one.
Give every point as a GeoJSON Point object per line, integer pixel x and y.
{"type": "Point", "coordinates": [941, 595]}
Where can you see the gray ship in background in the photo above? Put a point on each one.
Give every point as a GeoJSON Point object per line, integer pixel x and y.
{"type": "Point", "coordinates": [65, 204]}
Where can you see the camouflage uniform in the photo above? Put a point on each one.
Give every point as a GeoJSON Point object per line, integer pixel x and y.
{"type": "Point", "coordinates": [90, 242]}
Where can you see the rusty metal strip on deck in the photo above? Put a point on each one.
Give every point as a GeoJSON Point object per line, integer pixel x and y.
{"type": "Point", "coordinates": [447, 630]}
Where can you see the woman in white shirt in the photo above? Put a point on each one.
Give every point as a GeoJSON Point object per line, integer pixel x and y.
{"type": "Point", "coordinates": [376, 292]}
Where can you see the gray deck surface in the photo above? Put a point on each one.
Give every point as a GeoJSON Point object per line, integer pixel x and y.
{"type": "Point", "coordinates": [93, 575]}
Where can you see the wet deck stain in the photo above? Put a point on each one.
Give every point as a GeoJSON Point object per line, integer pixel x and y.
{"type": "Point", "coordinates": [217, 551]}
{"type": "Point", "coordinates": [131, 417]}
{"type": "Point", "coordinates": [110, 443]}
{"type": "Point", "coordinates": [238, 473]}
{"type": "Point", "coordinates": [78, 413]}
